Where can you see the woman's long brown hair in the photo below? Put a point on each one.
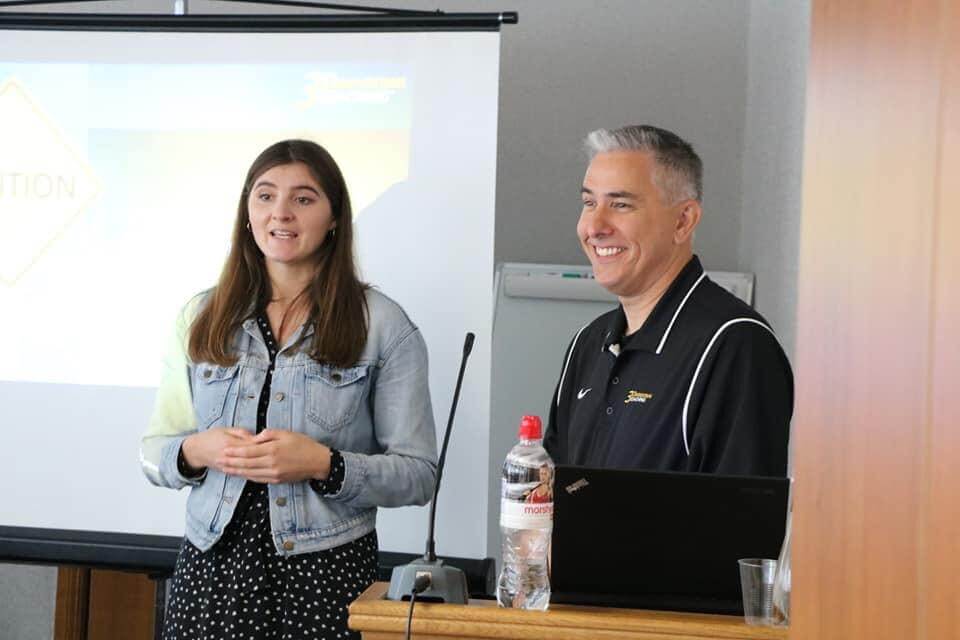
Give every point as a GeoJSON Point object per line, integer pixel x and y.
{"type": "Point", "coordinates": [336, 297]}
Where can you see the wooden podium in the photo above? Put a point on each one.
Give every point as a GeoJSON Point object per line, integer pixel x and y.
{"type": "Point", "coordinates": [379, 619]}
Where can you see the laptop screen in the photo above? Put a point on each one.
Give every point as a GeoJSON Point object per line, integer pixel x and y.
{"type": "Point", "coordinates": [661, 540]}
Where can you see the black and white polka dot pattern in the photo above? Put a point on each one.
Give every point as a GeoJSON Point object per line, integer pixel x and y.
{"type": "Point", "coordinates": [241, 589]}
{"type": "Point", "coordinates": [334, 480]}
{"type": "Point", "coordinates": [265, 391]}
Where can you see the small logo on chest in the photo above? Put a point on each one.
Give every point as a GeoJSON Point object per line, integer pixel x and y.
{"type": "Point", "coordinates": [637, 396]}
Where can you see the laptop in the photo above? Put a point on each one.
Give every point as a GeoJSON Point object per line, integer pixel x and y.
{"type": "Point", "coordinates": [661, 540]}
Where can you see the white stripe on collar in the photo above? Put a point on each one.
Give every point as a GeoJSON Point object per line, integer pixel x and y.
{"type": "Point", "coordinates": [676, 313]}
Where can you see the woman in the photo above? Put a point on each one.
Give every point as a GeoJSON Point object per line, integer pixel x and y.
{"type": "Point", "coordinates": [543, 492]}
{"type": "Point", "coordinates": [294, 403]}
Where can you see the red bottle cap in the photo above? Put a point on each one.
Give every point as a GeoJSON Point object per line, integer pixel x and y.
{"type": "Point", "coordinates": [530, 428]}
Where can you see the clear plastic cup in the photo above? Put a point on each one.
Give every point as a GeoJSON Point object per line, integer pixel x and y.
{"type": "Point", "coordinates": [756, 580]}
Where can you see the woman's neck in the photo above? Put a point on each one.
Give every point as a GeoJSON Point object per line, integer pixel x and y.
{"type": "Point", "coordinates": [287, 282]}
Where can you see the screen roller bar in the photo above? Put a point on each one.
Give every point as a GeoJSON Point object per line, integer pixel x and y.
{"type": "Point", "coordinates": [267, 23]}
{"type": "Point", "coordinates": [157, 555]}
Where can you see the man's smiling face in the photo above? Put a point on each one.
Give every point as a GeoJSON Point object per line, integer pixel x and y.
{"type": "Point", "coordinates": [627, 226]}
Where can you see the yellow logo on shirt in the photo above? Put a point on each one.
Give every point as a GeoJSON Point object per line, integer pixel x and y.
{"type": "Point", "coordinates": [637, 396]}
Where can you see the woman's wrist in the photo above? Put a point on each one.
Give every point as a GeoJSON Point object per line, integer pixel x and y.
{"type": "Point", "coordinates": [186, 449]}
{"type": "Point", "coordinates": [324, 461]}
{"type": "Point", "coordinates": [184, 464]}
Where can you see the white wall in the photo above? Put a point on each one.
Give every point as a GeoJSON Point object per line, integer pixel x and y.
{"type": "Point", "coordinates": [571, 67]}
{"type": "Point", "coordinates": [773, 158]}
{"type": "Point", "coordinates": [727, 75]}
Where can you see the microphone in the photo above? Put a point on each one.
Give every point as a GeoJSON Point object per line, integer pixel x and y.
{"type": "Point", "coordinates": [428, 575]}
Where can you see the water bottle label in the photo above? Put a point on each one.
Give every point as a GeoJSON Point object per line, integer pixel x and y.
{"type": "Point", "coordinates": [526, 515]}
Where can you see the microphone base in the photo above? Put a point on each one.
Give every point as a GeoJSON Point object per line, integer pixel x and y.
{"type": "Point", "coordinates": [447, 584]}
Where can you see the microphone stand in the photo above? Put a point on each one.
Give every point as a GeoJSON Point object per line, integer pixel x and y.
{"type": "Point", "coordinates": [428, 575]}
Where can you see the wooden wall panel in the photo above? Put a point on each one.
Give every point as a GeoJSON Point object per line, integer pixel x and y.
{"type": "Point", "coordinates": [941, 550]}
{"type": "Point", "coordinates": [73, 594]}
{"type": "Point", "coordinates": [96, 604]}
{"type": "Point", "coordinates": [875, 314]}
{"type": "Point", "coordinates": [121, 606]}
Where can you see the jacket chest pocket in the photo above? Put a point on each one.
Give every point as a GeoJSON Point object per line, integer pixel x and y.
{"type": "Point", "coordinates": [334, 394]}
{"type": "Point", "coordinates": [212, 385]}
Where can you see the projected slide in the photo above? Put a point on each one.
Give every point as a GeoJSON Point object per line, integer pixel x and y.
{"type": "Point", "coordinates": [119, 185]}
{"type": "Point", "coordinates": [122, 157]}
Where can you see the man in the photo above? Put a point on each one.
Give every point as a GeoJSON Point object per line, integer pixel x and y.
{"type": "Point", "coordinates": [682, 376]}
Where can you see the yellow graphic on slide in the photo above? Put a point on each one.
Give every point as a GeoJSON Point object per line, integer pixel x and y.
{"type": "Point", "coordinates": [44, 183]}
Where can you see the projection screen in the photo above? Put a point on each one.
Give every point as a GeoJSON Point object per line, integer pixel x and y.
{"type": "Point", "coordinates": [122, 156]}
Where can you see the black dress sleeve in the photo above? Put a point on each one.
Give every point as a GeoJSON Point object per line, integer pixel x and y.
{"type": "Point", "coordinates": [334, 481]}
{"type": "Point", "coordinates": [186, 470]}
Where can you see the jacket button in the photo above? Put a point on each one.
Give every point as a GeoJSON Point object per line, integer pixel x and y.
{"type": "Point", "coordinates": [288, 546]}
{"type": "Point", "coordinates": [616, 380]}
{"type": "Point", "coordinates": [279, 396]}
{"type": "Point", "coordinates": [281, 502]}
{"type": "Point", "coordinates": [207, 373]}
{"type": "Point", "coordinates": [609, 411]}
{"type": "Point", "coordinates": [336, 377]}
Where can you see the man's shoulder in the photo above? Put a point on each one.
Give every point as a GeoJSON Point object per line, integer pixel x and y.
{"type": "Point", "coordinates": [713, 307]}
{"type": "Point", "coordinates": [717, 320]}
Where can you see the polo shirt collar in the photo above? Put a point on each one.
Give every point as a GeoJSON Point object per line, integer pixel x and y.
{"type": "Point", "coordinates": [652, 336]}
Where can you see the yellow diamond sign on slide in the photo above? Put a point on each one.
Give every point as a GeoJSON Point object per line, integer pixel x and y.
{"type": "Point", "coordinates": [44, 182]}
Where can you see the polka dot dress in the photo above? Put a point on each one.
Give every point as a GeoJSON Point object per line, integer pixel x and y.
{"type": "Point", "coordinates": [241, 589]}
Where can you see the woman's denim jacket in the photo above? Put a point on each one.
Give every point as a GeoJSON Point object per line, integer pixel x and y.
{"type": "Point", "coordinates": [376, 413]}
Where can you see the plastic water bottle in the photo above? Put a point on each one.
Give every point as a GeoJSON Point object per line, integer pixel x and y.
{"type": "Point", "coordinates": [526, 520]}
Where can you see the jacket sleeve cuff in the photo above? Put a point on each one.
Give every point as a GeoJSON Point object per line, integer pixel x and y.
{"type": "Point", "coordinates": [354, 476]}
{"type": "Point", "coordinates": [170, 469]}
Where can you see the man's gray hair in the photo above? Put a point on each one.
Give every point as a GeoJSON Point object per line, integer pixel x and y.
{"type": "Point", "coordinates": [678, 171]}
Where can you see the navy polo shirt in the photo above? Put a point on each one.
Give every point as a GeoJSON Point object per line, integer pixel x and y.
{"type": "Point", "coordinates": [702, 386]}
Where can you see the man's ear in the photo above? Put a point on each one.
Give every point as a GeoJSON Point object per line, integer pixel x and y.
{"type": "Point", "coordinates": [687, 220]}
